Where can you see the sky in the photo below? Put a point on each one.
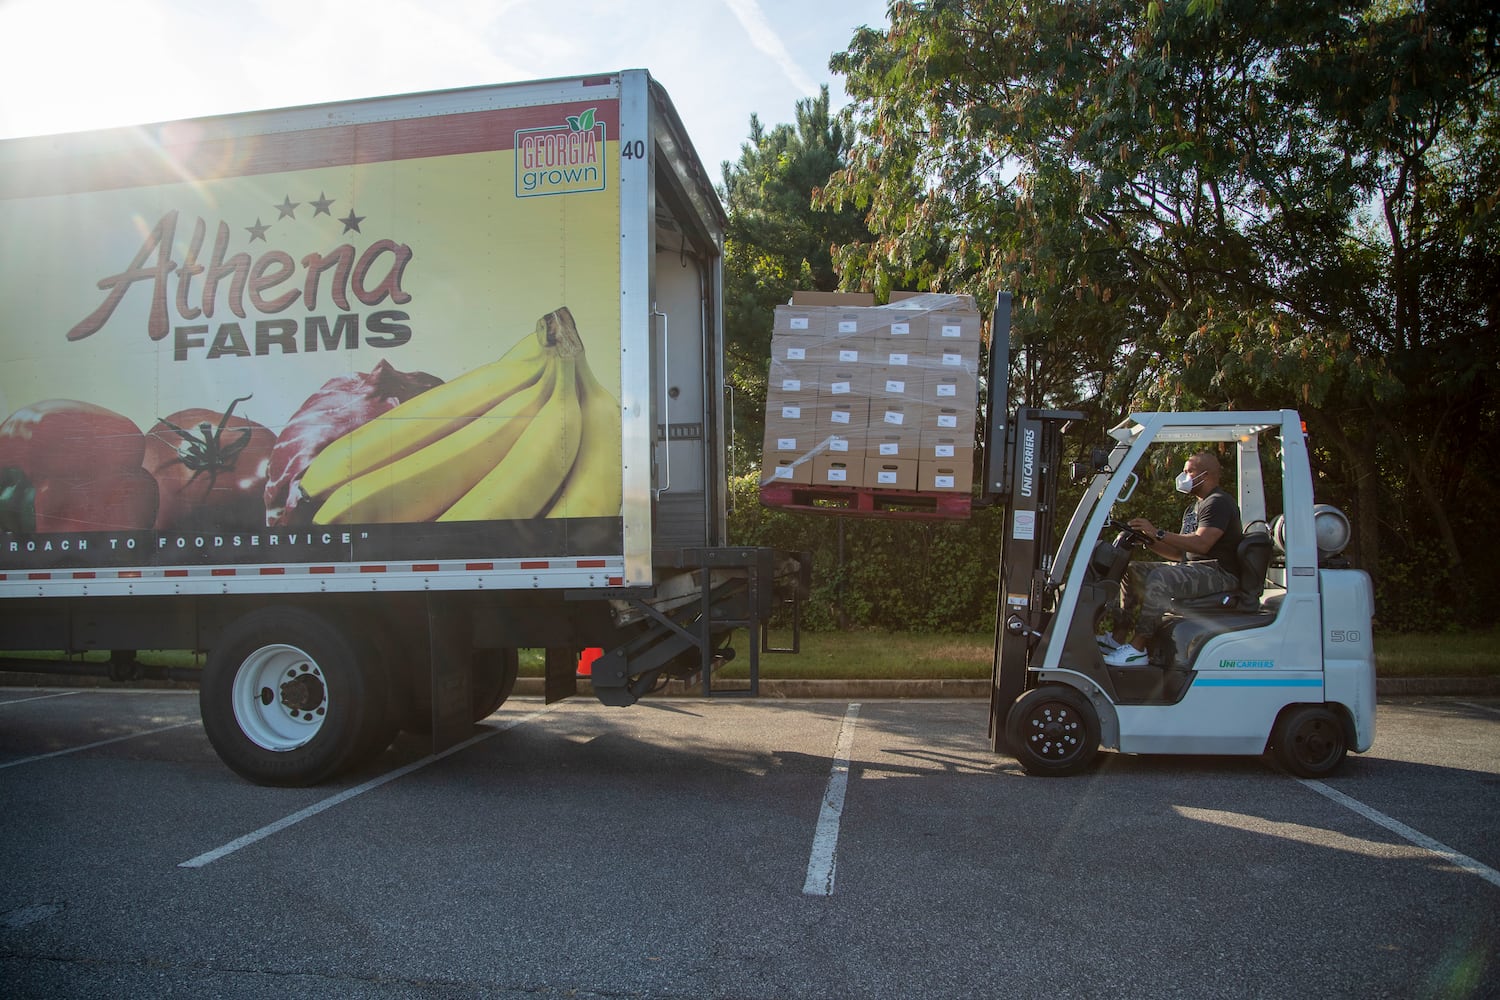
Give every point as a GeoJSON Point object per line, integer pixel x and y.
{"type": "Point", "coordinates": [67, 65]}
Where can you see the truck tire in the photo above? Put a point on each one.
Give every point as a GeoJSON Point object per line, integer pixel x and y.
{"type": "Point", "coordinates": [1310, 741]}
{"type": "Point", "coordinates": [494, 678]}
{"type": "Point", "coordinates": [1053, 731]}
{"type": "Point", "coordinates": [290, 698]}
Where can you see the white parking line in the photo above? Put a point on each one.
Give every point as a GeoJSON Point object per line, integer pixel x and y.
{"type": "Point", "coordinates": [823, 860]}
{"type": "Point", "coordinates": [1399, 828]}
{"type": "Point", "coordinates": [1483, 708]}
{"type": "Point", "coordinates": [209, 857]}
{"type": "Point", "coordinates": [91, 746]}
{"type": "Point", "coordinates": [40, 697]}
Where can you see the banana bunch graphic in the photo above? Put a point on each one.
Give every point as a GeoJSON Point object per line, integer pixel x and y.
{"type": "Point", "coordinates": [531, 433]}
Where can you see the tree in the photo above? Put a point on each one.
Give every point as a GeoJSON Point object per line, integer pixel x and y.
{"type": "Point", "coordinates": [1216, 203]}
{"type": "Point", "coordinates": [777, 242]}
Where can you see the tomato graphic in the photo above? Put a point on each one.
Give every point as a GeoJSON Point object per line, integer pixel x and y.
{"type": "Point", "coordinates": [67, 465]}
{"type": "Point", "coordinates": [211, 468]}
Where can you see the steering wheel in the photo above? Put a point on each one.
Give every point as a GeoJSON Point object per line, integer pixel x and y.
{"type": "Point", "coordinates": [1132, 537]}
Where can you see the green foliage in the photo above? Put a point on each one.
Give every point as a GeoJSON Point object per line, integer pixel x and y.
{"type": "Point", "coordinates": [1204, 204]}
{"type": "Point", "coordinates": [921, 576]}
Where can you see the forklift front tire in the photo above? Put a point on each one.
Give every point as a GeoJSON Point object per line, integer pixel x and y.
{"type": "Point", "coordinates": [1310, 741]}
{"type": "Point", "coordinates": [1053, 730]}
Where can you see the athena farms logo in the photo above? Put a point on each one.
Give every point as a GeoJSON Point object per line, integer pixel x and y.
{"type": "Point", "coordinates": [561, 159]}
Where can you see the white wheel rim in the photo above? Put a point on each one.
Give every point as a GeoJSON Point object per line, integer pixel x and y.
{"type": "Point", "coordinates": [280, 698]}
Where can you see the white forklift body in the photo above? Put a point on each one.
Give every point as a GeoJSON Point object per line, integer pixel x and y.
{"type": "Point", "coordinates": [1284, 664]}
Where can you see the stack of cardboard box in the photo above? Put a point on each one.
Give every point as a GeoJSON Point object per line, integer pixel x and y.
{"type": "Point", "coordinates": [879, 397]}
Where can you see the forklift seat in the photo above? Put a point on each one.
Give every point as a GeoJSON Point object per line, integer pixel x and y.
{"type": "Point", "coordinates": [1254, 556]}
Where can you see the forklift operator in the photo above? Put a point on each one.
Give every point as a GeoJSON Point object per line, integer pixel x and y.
{"type": "Point", "coordinates": [1203, 555]}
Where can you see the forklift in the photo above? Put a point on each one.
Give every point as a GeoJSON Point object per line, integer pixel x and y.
{"type": "Point", "coordinates": [1282, 665]}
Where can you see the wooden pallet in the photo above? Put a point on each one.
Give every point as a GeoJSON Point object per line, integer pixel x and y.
{"type": "Point", "coordinates": [861, 502]}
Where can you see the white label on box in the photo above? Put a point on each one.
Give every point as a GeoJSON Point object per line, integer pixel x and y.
{"type": "Point", "coordinates": [895, 417]}
{"type": "Point", "coordinates": [895, 386]}
{"type": "Point", "coordinates": [791, 385]}
{"type": "Point", "coordinates": [791, 412]}
{"type": "Point", "coordinates": [783, 472]}
{"type": "Point", "coordinates": [838, 475]}
{"type": "Point", "coordinates": [890, 448]}
{"type": "Point", "coordinates": [900, 329]}
{"type": "Point", "coordinates": [797, 323]}
{"type": "Point", "coordinates": [839, 417]}
{"type": "Point", "coordinates": [952, 330]}
{"type": "Point", "coordinates": [848, 326]}
{"type": "Point", "coordinates": [897, 359]}
{"type": "Point", "coordinates": [838, 444]}
{"type": "Point", "coordinates": [942, 451]}
{"type": "Point", "coordinates": [955, 360]}
{"type": "Point", "coordinates": [796, 354]}
{"type": "Point", "coordinates": [947, 389]}
{"type": "Point", "coordinates": [886, 477]}
{"type": "Point", "coordinates": [786, 444]}
{"type": "Point", "coordinates": [848, 354]}
{"type": "Point", "coordinates": [948, 420]}
{"type": "Point", "coordinates": [838, 388]}
{"type": "Point", "coordinates": [942, 482]}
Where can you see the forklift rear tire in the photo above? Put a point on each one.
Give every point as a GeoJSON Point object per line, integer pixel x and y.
{"type": "Point", "coordinates": [1310, 741]}
{"type": "Point", "coordinates": [1053, 730]}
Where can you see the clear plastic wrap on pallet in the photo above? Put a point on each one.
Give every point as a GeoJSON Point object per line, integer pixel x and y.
{"type": "Point", "coordinates": [877, 397]}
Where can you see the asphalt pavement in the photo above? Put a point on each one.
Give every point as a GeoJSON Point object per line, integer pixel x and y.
{"type": "Point", "coordinates": [771, 848]}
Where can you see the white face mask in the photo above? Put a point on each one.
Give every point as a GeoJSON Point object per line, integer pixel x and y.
{"type": "Point", "coordinates": [1186, 481]}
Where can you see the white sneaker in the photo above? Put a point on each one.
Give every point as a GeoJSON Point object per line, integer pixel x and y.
{"type": "Point", "coordinates": [1106, 642]}
{"type": "Point", "coordinates": [1126, 656]}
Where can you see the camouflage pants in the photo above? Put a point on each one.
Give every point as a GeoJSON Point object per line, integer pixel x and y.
{"type": "Point", "coordinates": [1148, 588]}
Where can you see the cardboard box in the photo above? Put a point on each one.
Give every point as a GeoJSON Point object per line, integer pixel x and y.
{"type": "Point", "coordinates": [785, 470]}
{"type": "Point", "coordinates": [805, 321]}
{"type": "Point", "coordinates": [900, 325]}
{"type": "Point", "coordinates": [852, 323]}
{"type": "Point", "coordinates": [839, 444]}
{"type": "Point", "coordinates": [793, 350]}
{"type": "Point", "coordinates": [946, 447]}
{"type": "Point", "coordinates": [891, 473]}
{"type": "Point", "coordinates": [900, 354]}
{"type": "Point", "coordinates": [880, 443]}
{"type": "Point", "coordinates": [844, 382]}
{"type": "Point", "coordinates": [945, 477]}
{"type": "Point", "coordinates": [948, 420]}
{"type": "Point", "coordinates": [897, 414]}
{"type": "Point", "coordinates": [848, 351]}
{"type": "Point", "coordinates": [949, 355]}
{"type": "Point", "coordinates": [790, 415]}
{"type": "Point", "coordinates": [903, 384]}
{"type": "Point", "coordinates": [953, 326]}
{"type": "Point", "coordinates": [936, 301]}
{"type": "Point", "coordinates": [838, 470]}
{"type": "Point", "coordinates": [843, 416]}
{"type": "Point", "coordinates": [951, 387]}
{"type": "Point", "coordinates": [836, 299]}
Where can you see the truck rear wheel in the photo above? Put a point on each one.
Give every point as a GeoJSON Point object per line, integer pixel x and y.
{"type": "Point", "coordinates": [1310, 741]}
{"type": "Point", "coordinates": [1053, 730]}
{"type": "Point", "coordinates": [290, 698]}
{"type": "Point", "coordinates": [494, 678]}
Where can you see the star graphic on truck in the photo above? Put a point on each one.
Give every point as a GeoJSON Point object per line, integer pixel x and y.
{"type": "Point", "coordinates": [287, 208]}
{"type": "Point", "coordinates": [351, 221]}
{"type": "Point", "coordinates": [257, 231]}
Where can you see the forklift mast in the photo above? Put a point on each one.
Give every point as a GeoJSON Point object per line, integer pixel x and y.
{"type": "Point", "coordinates": [1022, 465]}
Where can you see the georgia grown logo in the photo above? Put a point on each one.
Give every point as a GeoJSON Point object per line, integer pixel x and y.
{"type": "Point", "coordinates": [561, 159]}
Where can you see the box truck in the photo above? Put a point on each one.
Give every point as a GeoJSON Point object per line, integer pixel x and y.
{"type": "Point", "coordinates": [358, 399]}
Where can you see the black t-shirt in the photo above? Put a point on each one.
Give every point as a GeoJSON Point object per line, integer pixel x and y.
{"type": "Point", "coordinates": [1217, 510]}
